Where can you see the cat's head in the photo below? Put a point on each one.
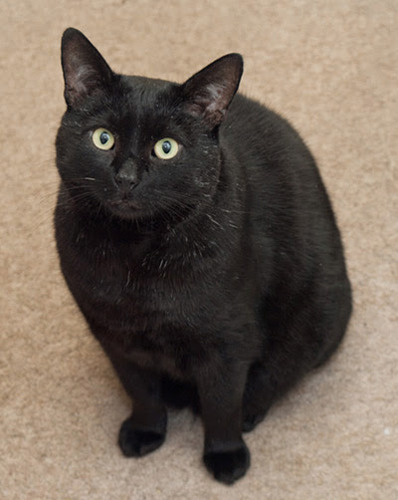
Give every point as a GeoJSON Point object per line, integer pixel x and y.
{"type": "Point", "coordinates": [137, 147]}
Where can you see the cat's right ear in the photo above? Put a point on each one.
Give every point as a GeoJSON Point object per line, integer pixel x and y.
{"type": "Point", "coordinates": [85, 71]}
{"type": "Point", "coordinates": [208, 93]}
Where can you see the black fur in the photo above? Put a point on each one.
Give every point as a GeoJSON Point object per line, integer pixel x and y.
{"type": "Point", "coordinates": [215, 279]}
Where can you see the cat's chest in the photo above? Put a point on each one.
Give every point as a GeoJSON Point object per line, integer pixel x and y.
{"type": "Point", "coordinates": [146, 284]}
{"type": "Point", "coordinates": [133, 292]}
{"type": "Point", "coordinates": [156, 322]}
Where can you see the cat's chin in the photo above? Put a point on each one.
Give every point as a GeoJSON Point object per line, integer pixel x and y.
{"type": "Point", "coordinates": [125, 209]}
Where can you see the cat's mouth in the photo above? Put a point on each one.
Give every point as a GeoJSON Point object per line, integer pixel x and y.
{"type": "Point", "coordinates": [124, 204]}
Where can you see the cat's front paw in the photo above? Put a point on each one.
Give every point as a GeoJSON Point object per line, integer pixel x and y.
{"type": "Point", "coordinates": [251, 420]}
{"type": "Point", "coordinates": [137, 443]}
{"type": "Point", "coordinates": [228, 466]}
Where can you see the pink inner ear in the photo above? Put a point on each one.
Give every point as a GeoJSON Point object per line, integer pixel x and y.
{"type": "Point", "coordinates": [81, 81]}
{"type": "Point", "coordinates": [209, 92]}
{"type": "Point", "coordinates": [210, 103]}
{"type": "Point", "coordinates": [80, 78]}
{"type": "Point", "coordinates": [83, 75]}
{"type": "Point", "coordinates": [85, 70]}
{"type": "Point", "coordinates": [216, 97]}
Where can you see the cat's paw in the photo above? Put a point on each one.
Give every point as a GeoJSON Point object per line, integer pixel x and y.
{"type": "Point", "coordinates": [250, 421]}
{"type": "Point", "coordinates": [137, 443]}
{"type": "Point", "coordinates": [228, 466]}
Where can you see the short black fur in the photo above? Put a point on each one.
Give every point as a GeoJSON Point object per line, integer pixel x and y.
{"type": "Point", "coordinates": [214, 279]}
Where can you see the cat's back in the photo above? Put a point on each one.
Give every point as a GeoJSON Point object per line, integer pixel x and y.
{"type": "Point", "coordinates": [286, 201]}
{"type": "Point", "coordinates": [279, 169]}
{"type": "Point", "coordinates": [257, 133]}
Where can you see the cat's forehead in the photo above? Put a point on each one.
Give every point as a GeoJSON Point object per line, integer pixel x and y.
{"type": "Point", "coordinates": [136, 108]}
{"type": "Point", "coordinates": [147, 91]}
{"type": "Point", "coordinates": [142, 83]}
{"type": "Point", "coordinates": [147, 100]}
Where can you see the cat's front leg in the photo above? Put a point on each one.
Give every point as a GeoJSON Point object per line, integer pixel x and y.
{"type": "Point", "coordinates": [221, 390]}
{"type": "Point", "coordinates": [145, 430]}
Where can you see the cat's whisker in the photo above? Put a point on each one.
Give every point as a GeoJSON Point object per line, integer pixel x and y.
{"type": "Point", "coordinates": [215, 222]}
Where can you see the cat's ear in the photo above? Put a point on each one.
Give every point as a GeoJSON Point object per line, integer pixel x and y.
{"type": "Point", "coordinates": [208, 93]}
{"type": "Point", "coordinates": [85, 70]}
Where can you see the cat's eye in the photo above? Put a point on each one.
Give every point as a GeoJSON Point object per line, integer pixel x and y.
{"type": "Point", "coordinates": [165, 149]}
{"type": "Point", "coordinates": [103, 139]}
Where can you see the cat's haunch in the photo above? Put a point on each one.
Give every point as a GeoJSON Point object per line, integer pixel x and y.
{"type": "Point", "coordinates": [198, 240]}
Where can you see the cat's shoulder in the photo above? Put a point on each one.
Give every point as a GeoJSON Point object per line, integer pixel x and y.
{"type": "Point", "coordinates": [250, 110]}
{"type": "Point", "coordinates": [254, 123]}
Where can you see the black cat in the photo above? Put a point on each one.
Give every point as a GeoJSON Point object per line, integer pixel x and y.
{"type": "Point", "coordinates": [196, 236]}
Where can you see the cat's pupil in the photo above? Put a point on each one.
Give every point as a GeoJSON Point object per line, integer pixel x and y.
{"type": "Point", "coordinates": [104, 137]}
{"type": "Point", "coordinates": [166, 146]}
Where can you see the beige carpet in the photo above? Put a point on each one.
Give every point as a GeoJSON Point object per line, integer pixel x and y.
{"type": "Point", "coordinates": [331, 68]}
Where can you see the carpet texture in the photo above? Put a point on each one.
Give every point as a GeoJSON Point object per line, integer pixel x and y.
{"type": "Point", "coordinates": [329, 67]}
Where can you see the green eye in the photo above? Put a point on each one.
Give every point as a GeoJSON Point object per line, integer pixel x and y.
{"type": "Point", "coordinates": [103, 139]}
{"type": "Point", "coordinates": [165, 149]}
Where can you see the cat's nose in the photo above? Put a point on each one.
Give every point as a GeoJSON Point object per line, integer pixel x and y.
{"type": "Point", "coordinates": [126, 178]}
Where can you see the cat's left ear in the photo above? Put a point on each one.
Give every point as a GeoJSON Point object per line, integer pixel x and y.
{"type": "Point", "coordinates": [208, 93]}
{"type": "Point", "coordinates": [85, 70]}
